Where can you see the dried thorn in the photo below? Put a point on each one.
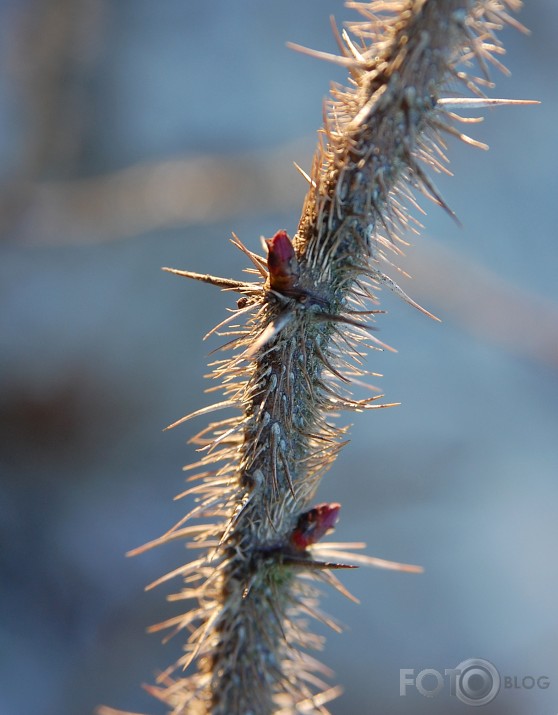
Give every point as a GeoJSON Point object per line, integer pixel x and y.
{"type": "Point", "coordinates": [397, 290]}
{"type": "Point", "coordinates": [364, 560]}
{"type": "Point", "coordinates": [328, 365]}
{"type": "Point", "coordinates": [508, 19]}
{"type": "Point", "coordinates": [180, 621]}
{"type": "Point", "coordinates": [330, 578]}
{"type": "Point", "coordinates": [285, 464]}
{"type": "Point", "coordinates": [337, 36]}
{"type": "Point", "coordinates": [234, 314]}
{"type": "Point", "coordinates": [258, 261]}
{"type": "Point", "coordinates": [191, 566]}
{"type": "Point", "coordinates": [308, 178]}
{"type": "Point", "coordinates": [361, 383]}
{"type": "Point", "coordinates": [278, 619]}
{"type": "Point", "coordinates": [345, 46]}
{"type": "Point", "coordinates": [305, 563]}
{"type": "Point", "coordinates": [476, 50]}
{"type": "Point", "coordinates": [228, 345]}
{"type": "Point", "coordinates": [202, 411]}
{"type": "Point", "coordinates": [383, 220]}
{"type": "Point", "coordinates": [225, 283]}
{"type": "Point", "coordinates": [319, 615]}
{"type": "Point", "coordinates": [311, 704]}
{"type": "Point", "coordinates": [269, 517]}
{"type": "Point", "coordinates": [179, 534]}
{"type": "Point", "coordinates": [442, 126]}
{"type": "Point", "coordinates": [330, 318]}
{"type": "Point", "coordinates": [433, 192]}
{"type": "Point", "coordinates": [272, 329]}
{"type": "Point", "coordinates": [104, 710]}
{"type": "Point", "coordinates": [273, 438]}
{"type": "Point", "coordinates": [200, 641]}
{"type": "Point", "coordinates": [481, 103]}
{"type": "Point", "coordinates": [327, 56]}
{"type": "Point", "coordinates": [463, 120]}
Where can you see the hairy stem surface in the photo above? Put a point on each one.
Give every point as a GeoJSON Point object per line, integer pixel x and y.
{"type": "Point", "coordinates": [298, 337]}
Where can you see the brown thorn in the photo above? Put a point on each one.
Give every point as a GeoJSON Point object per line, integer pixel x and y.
{"type": "Point", "coordinates": [269, 332]}
{"type": "Point", "coordinates": [227, 283]}
{"type": "Point", "coordinates": [328, 365]}
{"type": "Point", "coordinates": [328, 56]}
{"type": "Point", "coordinates": [308, 178]}
{"type": "Point", "coordinates": [432, 190]}
{"type": "Point", "coordinates": [202, 411]}
{"type": "Point", "coordinates": [329, 317]}
{"type": "Point", "coordinates": [315, 565]}
{"type": "Point", "coordinates": [274, 445]}
{"type": "Point", "coordinates": [258, 261]}
{"type": "Point", "coordinates": [287, 472]}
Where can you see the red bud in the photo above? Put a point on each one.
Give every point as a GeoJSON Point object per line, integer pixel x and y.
{"type": "Point", "coordinates": [281, 262]}
{"type": "Point", "coordinates": [312, 525]}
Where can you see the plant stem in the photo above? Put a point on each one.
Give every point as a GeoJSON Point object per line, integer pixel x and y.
{"type": "Point", "coordinates": [302, 341]}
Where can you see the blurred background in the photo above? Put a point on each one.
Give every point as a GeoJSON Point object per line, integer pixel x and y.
{"type": "Point", "coordinates": [138, 134]}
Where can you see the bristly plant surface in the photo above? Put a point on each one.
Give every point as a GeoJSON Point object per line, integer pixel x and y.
{"type": "Point", "coordinates": [298, 336]}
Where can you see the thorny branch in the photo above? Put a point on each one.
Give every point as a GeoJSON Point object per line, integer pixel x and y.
{"type": "Point", "coordinates": [298, 336]}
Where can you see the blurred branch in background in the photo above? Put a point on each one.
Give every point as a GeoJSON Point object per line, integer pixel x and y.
{"type": "Point", "coordinates": [162, 195]}
{"type": "Point", "coordinates": [483, 303]}
{"type": "Point", "coordinates": [51, 49]}
{"type": "Point", "coordinates": [60, 40]}
{"type": "Point", "coordinates": [208, 189]}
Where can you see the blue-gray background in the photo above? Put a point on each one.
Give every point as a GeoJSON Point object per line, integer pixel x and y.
{"type": "Point", "coordinates": [139, 133]}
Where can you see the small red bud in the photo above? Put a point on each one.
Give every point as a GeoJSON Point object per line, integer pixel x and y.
{"type": "Point", "coordinates": [281, 262]}
{"type": "Point", "coordinates": [312, 525]}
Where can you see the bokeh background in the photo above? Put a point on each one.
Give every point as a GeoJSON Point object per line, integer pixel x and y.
{"type": "Point", "coordinates": [140, 133]}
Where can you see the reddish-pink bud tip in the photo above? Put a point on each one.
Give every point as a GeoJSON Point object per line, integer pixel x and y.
{"type": "Point", "coordinates": [312, 525]}
{"type": "Point", "coordinates": [281, 262]}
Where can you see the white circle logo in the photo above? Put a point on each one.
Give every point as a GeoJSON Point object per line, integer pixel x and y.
{"type": "Point", "coordinates": [478, 682]}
